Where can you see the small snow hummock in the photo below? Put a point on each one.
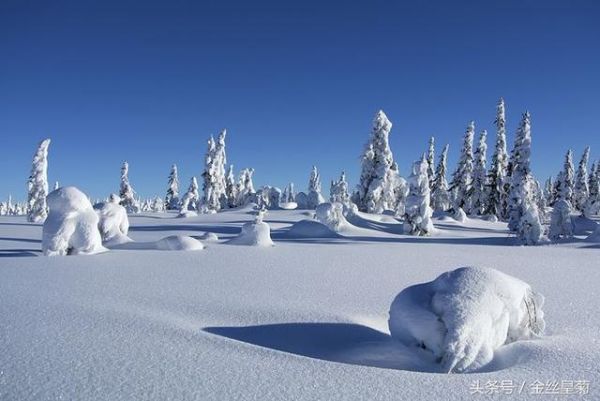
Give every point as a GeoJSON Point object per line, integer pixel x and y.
{"type": "Point", "coordinates": [256, 233]}
{"type": "Point", "coordinates": [464, 315]}
{"type": "Point", "coordinates": [113, 221]}
{"type": "Point", "coordinates": [72, 225]}
{"type": "Point", "coordinates": [332, 215]}
{"type": "Point", "coordinates": [179, 243]}
{"type": "Point", "coordinates": [209, 236]}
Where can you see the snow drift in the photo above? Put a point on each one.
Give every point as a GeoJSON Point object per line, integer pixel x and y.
{"type": "Point", "coordinates": [179, 243]}
{"type": "Point", "coordinates": [113, 221]}
{"type": "Point", "coordinates": [256, 233]}
{"type": "Point", "coordinates": [464, 315]}
{"type": "Point", "coordinates": [72, 225]}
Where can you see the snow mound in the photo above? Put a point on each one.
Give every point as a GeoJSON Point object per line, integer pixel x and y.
{"type": "Point", "coordinates": [72, 225]}
{"type": "Point", "coordinates": [464, 315]}
{"type": "Point", "coordinates": [208, 236]}
{"type": "Point", "coordinates": [288, 205]}
{"type": "Point", "coordinates": [187, 213]}
{"type": "Point", "coordinates": [113, 221]}
{"type": "Point", "coordinates": [254, 234]}
{"type": "Point", "coordinates": [179, 243]}
{"type": "Point", "coordinates": [310, 229]}
{"type": "Point", "coordinates": [332, 215]}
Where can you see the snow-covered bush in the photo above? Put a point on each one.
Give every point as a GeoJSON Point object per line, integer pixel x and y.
{"type": "Point", "coordinates": [255, 233]}
{"type": "Point", "coordinates": [72, 225]}
{"type": "Point", "coordinates": [338, 191]}
{"type": "Point", "coordinates": [314, 197]}
{"type": "Point", "coordinates": [37, 185]}
{"type": "Point", "coordinates": [113, 222]}
{"type": "Point", "coordinates": [417, 218]}
{"type": "Point", "coordinates": [464, 315]}
{"type": "Point", "coordinates": [332, 215]}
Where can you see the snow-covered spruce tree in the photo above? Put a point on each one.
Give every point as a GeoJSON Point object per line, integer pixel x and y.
{"type": "Point", "coordinates": [592, 206]}
{"type": "Point", "coordinates": [37, 185]}
{"type": "Point", "coordinates": [126, 192]}
{"type": "Point", "coordinates": [524, 216]}
{"type": "Point", "coordinates": [230, 187]}
{"type": "Point", "coordinates": [479, 194]}
{"type": "Point", "coordinates": [377, 161]}
{"type": "Point", "coordinates": [581, 189]}
{"type": "Point", "coordinates": [191, 197]}
{"type": "Point", "coordinates": [314, 189]}
{"type": "Point", "coordinates": [566, 185]}
{"type": "Point", "coordinates": [431, 162]}
{"type": "Point", "coordinates": [214, 175]}
{"type": "Point", "coordinates": [245, 187]}
{"type": "Point", "coordinates": [288, 194]}
{"type": "Point", "coordinates": [172, 197]}
{"type": "Point", "coordinates": [497, 197]}
{"type": "Point", "coordinates": [539, 198]}
{"type": "Point", "coordinates": [417, 217]}
{"type": "Point", "coordinates": [440, 196]}
{"type": "Point", "coordinates": [339, 191]}
{"type": "Point", "coordinates": [549, 192]}
{"type": "Point", "coordinates": [462, 179]}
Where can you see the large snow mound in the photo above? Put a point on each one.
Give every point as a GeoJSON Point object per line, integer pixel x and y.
{"type": "Point", "coordinates": [254, 234]}
{"type": "Point", "coordinates": [310, 229]}
{"type": "Point", "coordinates": [332, 215]}
{"type": "Point", "coordinates": [179, 243]}
{"type": "Point", "coordinates": [464, 315]}
{"type": "Point", "coordinates": [113, 221]}
{"type": "Point", "coordinates": [72, 224]}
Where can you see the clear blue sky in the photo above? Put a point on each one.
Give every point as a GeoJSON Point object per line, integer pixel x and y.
{"type": "Point", "coordinates": [295, 83]}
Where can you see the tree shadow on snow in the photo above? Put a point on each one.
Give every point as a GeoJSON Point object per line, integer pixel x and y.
{"type": "Point", "coordinates": [32, 240]}
{"type": "Point", "coordinates": [219, 229]}
{"type": "Point", "coordinates": [334, 342]}
{"type": "Point", "coordinates": [16, 253]}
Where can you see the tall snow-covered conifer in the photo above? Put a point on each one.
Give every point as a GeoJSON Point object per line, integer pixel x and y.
{"type": "Point", "coordinates": [431, 161]}
{"type": "Point", "coordinates": [497, 194]}
{"type": "Point", "coordinates": [172, 197]}
{"type": "Point", "coordinates": [191, 197]}
{"type": "Point", "coordinates": [37, 185]}
{"type": "Point", "coordinates": [314, 189]}
{"type": "Point", "coordinates": [339, 190]}
{"type": "Point", "coordinates": [479, 188]}
{"type": "Point", "coordinates": [214, 175]}
{"type": "Point", "coordinates": [440, 195]}
{"type": "Point", "coordinates": [581, 189]}
{"type": "Point", "coordinates": [126, 191]}
{"type": "Point", "coordinates": [417, 217]}
{"type": "Point", "coordinates": [462, 179]}
{"type": "Point", "coordinates": [245, 187]}
{"type": "Point", "coordinates": [230, 187]}
{"type": "Point", "coordinates": [592, 206]}
{"type": "Point", "coordinates": [377, 173]}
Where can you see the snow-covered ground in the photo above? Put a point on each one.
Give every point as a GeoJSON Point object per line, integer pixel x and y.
{"type": "Point", "coordinates": [305, 319]}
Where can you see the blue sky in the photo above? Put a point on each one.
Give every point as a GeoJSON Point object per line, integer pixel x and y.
{"type": "Point", "coordinates": [295, 83]}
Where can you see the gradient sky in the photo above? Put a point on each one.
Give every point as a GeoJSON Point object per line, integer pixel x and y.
{"type": "Point", "coordinates": [295, 83]}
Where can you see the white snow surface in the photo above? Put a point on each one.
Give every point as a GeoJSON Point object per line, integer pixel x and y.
{"type": "Point", "coordinates": [71, 227]}
{"type": "Point", "coordinates": [304, 320]}
{"type": "Point", "coordinates": [464, 315]}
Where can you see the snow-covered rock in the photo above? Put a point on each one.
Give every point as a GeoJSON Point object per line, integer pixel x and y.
{"type": "Point", "coordinates": [179, 243]}
{"type": "Point", "coordinates": [332, 215]}
{"type": "Point", "coordinates": [464, 315]}
{"type": "Point", "coordinates": [72, 225]}
{"type": "Point", "coordinates": [256, 233]}
{"type": "Point", "coordinates": [113, 221]}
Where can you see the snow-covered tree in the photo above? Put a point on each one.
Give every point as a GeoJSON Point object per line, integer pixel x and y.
{"type": "Point", "coordinates": [440, 196]}
{"type": "Point", "coordinates": [191, 197]}
{"type": "Point", "coordinates": [377, 174]}
{"type": "Point", "coordinates": [431, 161]}
{"type": "Point", "coordinates": [214, 185]}
{"type": "Point", "coordinates": [539, 198]}
{"type": "Point", "coordinates": [288, 194]}
{"type": "Point", "coordinates": [126, 192]}
{"type": "Point", "coordinates": [37, 185]}
{"type": "Point", "coordinates": [581, 189]}
{"type": "Point", "coordinates": [417, 217]}
{"type": "Point", "coordinates": [565, 184]}
{"type": "Point", "coordinates": [230, 187]}
{"type": "Point", "coordinates": [172, 197]}
{"type": "Point", "coordinates": [479, 188]}
{"type": "Point", "coordinates": [245, 187]}
{"type": "Point", "coordinates": [314, 189]}
{"type": "Point", "coordinates": [339, 191]}
{"type": "Point", "coordinates": [497, 196]}
{"type": "Point", "coordinates": [592, 206]}
{"type": "Point", "coordinates": [524, 216]}
{"type": "Point", "coordinates": [549, 192]}
{"type": "Point", "coordinates": [462, 179]}
{"type": "Point", "coordinates": [561, 225]}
